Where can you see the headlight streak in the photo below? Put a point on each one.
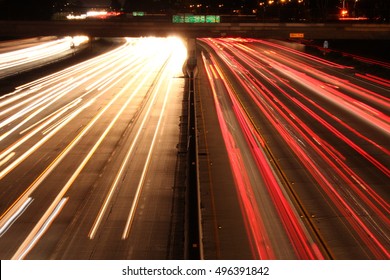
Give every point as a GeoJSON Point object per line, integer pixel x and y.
{"type": "Point", "coordinates": [24, 56]}
{"type": "Point", "coordinates": [119, 174]}
{"type": "Point", "coordinates": [37, 96]}
{"type": "Point", "coordinates": [38, 181]}
{"type": "Point", "coordinates": [5, 157]}
{"type": "Point", "coordinates": [47, 120]}
{"type": "Point", "coordinates": [55, 114]}
{"type": "Point", "coordinates": [25, 155]}
{"type": "Point", "coordinates": [49, 100]}
{"type": "Point", "coordinates": [25, 59]}
{"type": "Point", "coordinates": [374, 244]}
{"type": "Point", "coordinates": [69, 84]}
{"type": "Point", "coordinates": [98, 62]}
{"type": "Point", "coordinates": [139, 188]}
{"type": "Point", "coordinates": [179, 58]}
{"type": "Point", "coordinates": [39, 230]}
{"type": "Point", "coordinates": [7, 223]}
{"type": "Point", "coordinates": [112, 79]}
{"type": "Point", "coordinates": [113, 75]}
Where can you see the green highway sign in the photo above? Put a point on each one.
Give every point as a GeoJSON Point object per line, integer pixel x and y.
{"type": "Point", "coordinates": [138, 14]}
{"type": "Point", "coordinates": [194, 19]}
{"type": "Point", "coordinates": [213, 19]}
{"type": "Point", "coordinates": [189, 18]}
{"type": "Point", "coordinates": [178, 18]}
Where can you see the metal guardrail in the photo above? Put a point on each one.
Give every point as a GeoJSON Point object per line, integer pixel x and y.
{"type": "Point", "coordinates": [194, 245]}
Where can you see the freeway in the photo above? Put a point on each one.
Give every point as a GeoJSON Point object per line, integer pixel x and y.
{"type": "Point", "coordinates": [88, 157]}
{"type": "Point", "coordinates": [307, 142]}
{"type": "Point", "coordinates": [17, 56]}
{"type": "Point", "coordinates": [293, 155]}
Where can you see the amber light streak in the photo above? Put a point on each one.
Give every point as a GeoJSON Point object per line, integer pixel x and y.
{"type": "Point", "coordinates": [42, 51]}
{"type": "Point", "coordinates": [33, 114]}
{"type": "Point", "coordinates": [299, 136]}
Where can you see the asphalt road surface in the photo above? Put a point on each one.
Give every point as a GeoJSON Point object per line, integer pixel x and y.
{"type": "Point", "coordinates": [307, 142]}
{"type": "Point", "coordinates": [293, 154]}
{"type": "Point", "coordinates": [89, 155]}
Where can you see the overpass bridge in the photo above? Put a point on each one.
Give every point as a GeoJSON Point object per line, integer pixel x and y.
{"type": "Point", "coordinates": [103, 28]}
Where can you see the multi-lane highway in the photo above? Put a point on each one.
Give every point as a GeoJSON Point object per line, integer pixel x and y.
{"type": "Point", "coordinates": [18, 56]}
{"type": "Point", "coordinates": [307, 142]}
{"type": "Point", "coordinates": [88, 157]}
{"type": "Point", "coordinates": [293, 156]}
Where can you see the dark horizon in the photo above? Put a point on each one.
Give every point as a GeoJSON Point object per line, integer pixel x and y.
{"type": "Point", "coordinates": [281, 10]}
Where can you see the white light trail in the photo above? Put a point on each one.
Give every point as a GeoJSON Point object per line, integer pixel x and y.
{"type": "Point", "coordinates": [40, 228]}
{"type": "Point", "coordinates": [6, 223]}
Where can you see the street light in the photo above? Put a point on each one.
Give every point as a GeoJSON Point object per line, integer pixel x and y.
{"type": "Point", "coordinates": [344, 11]}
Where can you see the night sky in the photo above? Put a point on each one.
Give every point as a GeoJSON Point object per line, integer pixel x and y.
{"type": "Point", "coordinates": [98, 2]}
{"type": "Point", "coordinates": [311, 10]}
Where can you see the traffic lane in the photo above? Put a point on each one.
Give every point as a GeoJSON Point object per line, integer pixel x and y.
{"type": "Point", "coordinates": [322, 122]}
{"type": "Point", "coordinates": [21, 60]}
{"type": "Point", "coordinates": [272, 137]}
{"type": "Point", "coordinates": [343, 135]}
{"type": "Point", "coordinates": [150, 230]}
{"type": "Point", "coordinates": [46, 107]}
{"type": "Point", "coordinates": [109, 233]}
{"type": "Point", "coordinates": [145, 216]}
{"type": "Point", "coordinates": [322, 114]}
{"type": "Point", "coordinates": [85, 118]}
{"type": "Point", "coordinates": [68, 87]}
{"type": "Point", "coordinates": [364, 255]}
{"type": "Point", "coordinates": [84, 147]}
{"type": "Point", "coordinates": [224, 233]}
{"type": "Point", "coordinates": [110, 228]}
{"type": "Point", "coordinates": [273, 230]}
{"type": "Point", "coordinates": [55, 181]}
{"type": "Point", "coordinates": [249, 178]}
{"type": "Point", "coordinates": [13, 45]}
{"type": "Point", "coordinates": [139, 86]}
{"type": "Point", "coordinates": [370, 89]}
{"type": "Point", "coordinates": [53, 147]}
